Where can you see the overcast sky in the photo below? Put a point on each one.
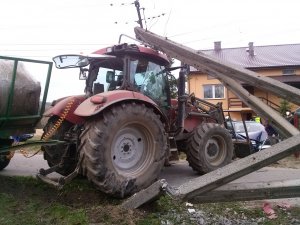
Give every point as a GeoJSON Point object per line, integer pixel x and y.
{"type": "Point", "coordinates": [41, 29]}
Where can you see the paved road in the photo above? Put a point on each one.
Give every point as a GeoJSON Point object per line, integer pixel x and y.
{"type": "Point", "coordinates": [177, 174]}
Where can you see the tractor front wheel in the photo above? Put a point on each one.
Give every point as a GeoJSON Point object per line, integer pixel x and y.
{"type": "Point", "coordinates": [124, 149]}
{"type": "Point", "coordinates": [209, 147]}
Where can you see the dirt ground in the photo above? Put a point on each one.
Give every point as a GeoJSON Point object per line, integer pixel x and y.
{"type": "Point", "coordinates": [288, 162]}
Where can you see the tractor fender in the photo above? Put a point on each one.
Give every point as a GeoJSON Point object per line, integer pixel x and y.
{"type": "Point", "coordinates": [101, 101]}
{"type": "Point", "coordinates": [65, 107]}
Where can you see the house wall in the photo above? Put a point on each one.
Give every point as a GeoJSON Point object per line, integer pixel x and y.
{"type": "Point", "coordinates": [197, 80]}
{"type": "Point", "coordinates": [196, 83]}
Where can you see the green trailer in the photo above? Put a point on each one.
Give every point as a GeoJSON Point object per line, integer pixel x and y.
{"type": "Point", "coordinates": [24, 87]}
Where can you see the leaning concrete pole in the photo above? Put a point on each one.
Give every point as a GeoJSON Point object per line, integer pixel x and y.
{"type": "Point", "coordinates": [229, 74]}
{"type": "Point", "coordinates": [286, 128]}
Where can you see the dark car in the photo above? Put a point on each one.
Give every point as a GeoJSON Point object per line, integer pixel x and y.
{"type": "Point", "coordinates": [256, 140]}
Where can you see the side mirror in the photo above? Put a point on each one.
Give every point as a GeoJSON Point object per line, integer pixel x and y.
{"type": "Point", "coordinates": [83, 73]}
{"type": "Point", "coordinates": [110, 76]}
{"type": "Point", "coordinates": [70, 61]}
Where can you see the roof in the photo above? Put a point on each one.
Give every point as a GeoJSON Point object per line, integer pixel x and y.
{"type": "Point", "coordinates": [264, 56]}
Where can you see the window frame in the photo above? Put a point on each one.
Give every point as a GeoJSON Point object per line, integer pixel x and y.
{"type": "Point", "coordinates": [288, 71]}
{"type": "Point", "coordinates": [213, 86]}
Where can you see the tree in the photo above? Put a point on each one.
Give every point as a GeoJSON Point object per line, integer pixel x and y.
{"type": "Point", "coordinates": [284, 107]}
{"type": "Point", "coordinates": [173, 86]}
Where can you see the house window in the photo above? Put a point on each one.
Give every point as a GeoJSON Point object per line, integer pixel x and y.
{"type": "Point", "coordinates": [213, 91]}
{"type": "Point", "coordinates": [288, 71]}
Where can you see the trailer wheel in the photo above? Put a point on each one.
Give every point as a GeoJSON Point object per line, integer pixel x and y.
{"type": "Point", "coordinates": [54, 153]}
{"type": "Point", "coordinates": [209, 147]}
{"type": "Point", "coordinates": [4, 160]}
{"type": "Point", "coordinates": [124, 149]}
{"type": "Point", "coordinates": [5, 157]}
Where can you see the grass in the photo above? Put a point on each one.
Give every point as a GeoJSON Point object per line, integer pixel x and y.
{"type": "Point", "coordinates": [25, 200]}
{"type": "Point", "coordinates": [33, 211]}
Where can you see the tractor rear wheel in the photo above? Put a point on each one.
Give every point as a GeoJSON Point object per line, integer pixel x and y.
{"type": "Point", "coordinates": [124, 149]}
{"type": "Point", "coordinates": [209, 147]}
{"type": "Point", "coordinates": [54, 154]}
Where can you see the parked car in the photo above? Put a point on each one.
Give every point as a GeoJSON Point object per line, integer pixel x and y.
{"type": "Point", "coordinates": [257, 137]}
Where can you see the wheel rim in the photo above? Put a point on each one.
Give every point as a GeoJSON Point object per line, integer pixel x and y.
{"type": "Point", "coordinates": [131, 150]}
{"type": "Point", "coordinates": [215, 150]}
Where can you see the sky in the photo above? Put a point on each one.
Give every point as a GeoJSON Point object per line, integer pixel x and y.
{"type": "Point", "coordinates": [40, 30]}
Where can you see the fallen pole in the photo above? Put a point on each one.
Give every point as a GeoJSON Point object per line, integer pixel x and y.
{"type": "Point", "coordinates": [216, 67]}
{"type": "Point", "coordinates": [210, 181]}
{"type": "Point", "coordinates": [251, 191]}
{"type": "Point", "coordinates": [229, 74]}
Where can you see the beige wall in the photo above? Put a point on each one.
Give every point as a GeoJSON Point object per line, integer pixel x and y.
{"type": "Point", "coordinates": [197, 80]}
{"type": "Point", "coordinates": [196, 83]}
{"type": "Point", "coordinates": [274, 72]}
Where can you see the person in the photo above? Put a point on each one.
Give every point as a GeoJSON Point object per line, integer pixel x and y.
{"type": "Point", "coordinates": [272, 133]}
{"type": "Point", "coordinates": [257, 119]}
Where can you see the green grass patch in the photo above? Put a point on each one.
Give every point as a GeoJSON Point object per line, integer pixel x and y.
{"type": "Point", "coordinates": [25, 200]}
{"type": "Point", "coordinates": [33, 211]}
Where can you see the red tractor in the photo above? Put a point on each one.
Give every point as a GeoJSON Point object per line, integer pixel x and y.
{"type": "Point", "coordinates": [123, 129]}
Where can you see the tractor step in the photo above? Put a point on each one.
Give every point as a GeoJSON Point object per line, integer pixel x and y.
{"type": "Point", "coordinates": [56, 182]}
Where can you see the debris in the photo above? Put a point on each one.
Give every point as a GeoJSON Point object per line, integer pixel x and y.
{"type": "Point", "coordinates": [189, 204]}
{"type": "Point", "coordinates": [269, 211]}
{"type": "Point", "coordinates": [191, 210]}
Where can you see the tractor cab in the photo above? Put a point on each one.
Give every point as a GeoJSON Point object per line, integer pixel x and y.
{"type": "Point", "coordinates": [122, 67]}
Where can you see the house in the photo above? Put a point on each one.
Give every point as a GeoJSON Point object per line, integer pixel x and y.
{"type": "Point", "coordinates": [280, 62]}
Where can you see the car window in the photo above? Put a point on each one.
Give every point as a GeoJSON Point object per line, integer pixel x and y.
{"type": "Point", "coordinates": [251, 127]}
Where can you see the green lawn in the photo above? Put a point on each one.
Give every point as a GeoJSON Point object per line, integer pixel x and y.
{"type": "Point", "coordinates": [28, 201]}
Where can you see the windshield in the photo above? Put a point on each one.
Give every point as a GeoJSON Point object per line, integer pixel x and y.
{"type": "Point", "coordinates": [150, 79]}
{"type": "Point", "coordinates": [250, 126]}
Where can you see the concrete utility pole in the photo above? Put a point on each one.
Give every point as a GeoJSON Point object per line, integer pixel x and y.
{"type": "Point", "coordinates": [137, 6]}
{"type": "Point", "coordinates": [197, 189]}
{"type": "Point", "coordinates": [230, 75]}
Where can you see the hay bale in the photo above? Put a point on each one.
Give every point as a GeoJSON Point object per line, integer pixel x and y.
{"type": "Point", "coordinates": [26, 91]}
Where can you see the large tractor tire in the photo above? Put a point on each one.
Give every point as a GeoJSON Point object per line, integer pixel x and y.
{"type": "Point", "coordinates": [124, 149]}
{"type": "Point", "coordinates": [55, 153]}
{"type": "Point", "coordinates": [209, 147]}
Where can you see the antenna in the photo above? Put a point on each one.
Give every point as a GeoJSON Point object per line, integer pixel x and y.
{"type": "Point", "coordinates": [137, 6]}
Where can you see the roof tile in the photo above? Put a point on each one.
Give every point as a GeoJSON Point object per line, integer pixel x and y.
{"type": "Point", "coordinates": [264, 56]}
